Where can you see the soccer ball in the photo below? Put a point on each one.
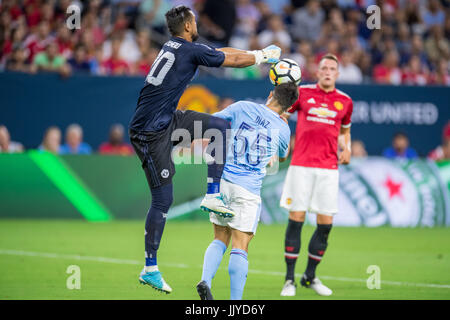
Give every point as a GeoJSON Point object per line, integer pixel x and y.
{"type": "Point", "coordinates": [284, 71]}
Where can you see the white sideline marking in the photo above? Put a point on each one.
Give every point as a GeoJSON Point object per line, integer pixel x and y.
{"type": "Point", "coordinates": [185, 266]}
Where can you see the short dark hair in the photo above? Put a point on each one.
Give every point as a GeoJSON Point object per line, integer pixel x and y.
{"type": "Point", "coordinates": [330, 56]}
{"type": "Point", "coordinates": [286, 94]}
{"type": "Point", "coordinates": [176, 18]}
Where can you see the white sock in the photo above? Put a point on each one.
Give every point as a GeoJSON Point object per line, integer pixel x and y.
{"type": "Point", "coordinates": [212, 195]}
{"type": "Point", "coordinates": [151, 268]}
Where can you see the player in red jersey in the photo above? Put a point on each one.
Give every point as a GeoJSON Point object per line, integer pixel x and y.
{"type": "Point", "coordinates": [312, 181]}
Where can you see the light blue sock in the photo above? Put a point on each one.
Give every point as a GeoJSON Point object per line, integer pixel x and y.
{"type": "Point", "coordinates": [211, 262]}
{"type": "Point", "coordinates": [238, 269]}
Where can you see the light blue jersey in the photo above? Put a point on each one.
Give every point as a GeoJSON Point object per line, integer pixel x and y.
{"type": "Point", "coordinates": [258, 133]}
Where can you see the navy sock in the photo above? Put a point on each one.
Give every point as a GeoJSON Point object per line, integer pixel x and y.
{"type": "Point", "coordinates": [156, 219]}
{"type": "Point", "coordinates": [317, 247]}
{"type": "Point", "coordinates": [215, 168]}
{"type": "Point", "coordinates": [292, 247]}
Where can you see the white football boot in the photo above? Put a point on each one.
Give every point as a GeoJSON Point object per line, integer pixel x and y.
{"type": "Point", "coordinates": [215, 203]}
{"type": "Point", "coordinates": [289, 289]}
{"type": "Point", "coordinates": [316, 285]}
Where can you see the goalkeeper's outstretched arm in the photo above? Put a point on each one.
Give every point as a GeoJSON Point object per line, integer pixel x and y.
{"type": "Point", "coordinates": [240, 58]}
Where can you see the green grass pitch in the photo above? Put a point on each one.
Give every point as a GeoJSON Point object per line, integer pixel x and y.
{"type": "Point", "coordinates": [35, 254]}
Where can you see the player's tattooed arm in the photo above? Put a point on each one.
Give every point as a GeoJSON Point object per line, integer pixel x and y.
{"type": "Point", "coordinates": [237, 58]}
{"type": "Point", "coordinates": [346, 145]}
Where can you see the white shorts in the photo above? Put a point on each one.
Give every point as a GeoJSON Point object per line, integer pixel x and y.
{"type": "Point", "coordinates": [311, 190]}
{"type": "Point", "coordinates": [246, 205]}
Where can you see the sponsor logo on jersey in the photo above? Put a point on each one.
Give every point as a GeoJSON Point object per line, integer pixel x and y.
{"type": "Point", "coordinates": [323, 112]}
{"type": "Point", "coordinates": [338, 105]}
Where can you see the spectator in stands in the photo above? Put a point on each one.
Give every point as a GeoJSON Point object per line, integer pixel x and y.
{"type": "Point", "coordinates": [303, 50]}
{"type": "Point", "coordinates": [310, 70]}
{"type": "Point", "coordinates": [74, 141]}
{"type": "Point", "coordinates": [152, 15]}
{"type": "Point", "coordinates": [307, 22]}
{"type": "Point", "coordinates": [417, 49]}
{"type": "Point", "coordinates": [64, 41]}
{"type": "Point", "coordinates": [388, 72]}
{"type": "Point", "coordinates": [276, 32]}
{"type": "Point", "coordinates": [248, 17]}
{"type": "Point", "coordinates": [116, 144]}
{"type": "Point", "coordinates": [413, 16]}
{"type": "Point", "coordinates": [278, 7]}
{"type": "Point", "coordinates": [51, 141]}
{"type": "Point", "coordinates": [441, 76]}
{"type": "Point", "coordinates": [39, 40]}
{"type": "Point", "coordinates": [50, 61]}
{"type": "Point", "coordinates": [433, 14]}
{"type": "Point", "coordinates": [415, 73]}
{"type": "Point", "coordinates": [348, 71]}
{"type": "Point", "coordinates": [13, 42]}
{"type": "Point", "coordinates": [365, 63]}
{"type": "Point", "coordinates": [400, 148]}
{"type": "Point", "coordinates": [142, 66]}
{"type": "Point", "coordinates": [115, 65]}
{"type": "Point", "coordinates": [442, 152]}
{"type": "Point", "coordinates": [217, 19]}
{"type": "Point", "coordinates": [437, 45]}
{"type": "Point", "coordinates": [18, 61]}
{"type": "Point", "coordinates": [358, 149]}
{"type": "Point", "coordinates": [6, 145]}
{"type": "Point", "coordinates": [403, 41]}
{"type": "Point", "coordinates": [79, 62]}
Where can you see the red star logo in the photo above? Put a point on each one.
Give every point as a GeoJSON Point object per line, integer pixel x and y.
{"type": "Point", "coordinates": [394, 188]}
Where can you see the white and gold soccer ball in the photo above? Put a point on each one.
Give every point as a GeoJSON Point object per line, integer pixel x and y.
{"type": "Point", "coordinates": [284, 71]}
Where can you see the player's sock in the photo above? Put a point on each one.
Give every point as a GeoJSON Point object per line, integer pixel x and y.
{"type": "Point", "coordinates": [156, 219]}
{"type": "Point", "coordinates": [237, 269]}
{"type": "Point", "coordinates": [212, 259]}
{"type": "Point", "coordinates": [215, 167]}
{"type": "Point", "coordinates": [292, 247]}
{"type": "Point", "coordinates": [317, 247]}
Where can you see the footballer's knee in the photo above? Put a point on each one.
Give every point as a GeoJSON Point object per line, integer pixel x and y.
{"type": "Point", "coordinates": [324, 219]}
{"type": "Point", "coordinates": [241, 239]}
{"type": "Point", "coordinates": [222, 233]}
{"type": "Point", "coordinates": [298, 216]}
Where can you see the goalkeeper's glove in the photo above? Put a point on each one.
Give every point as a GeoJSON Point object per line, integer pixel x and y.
{"type": "Point", "coordinates": [270, 54]}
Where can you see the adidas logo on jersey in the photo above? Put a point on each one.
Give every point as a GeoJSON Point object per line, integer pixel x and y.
{"type": "Point", "coordinates": [311, 100]}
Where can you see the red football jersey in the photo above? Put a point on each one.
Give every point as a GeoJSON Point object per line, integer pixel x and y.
{"type": "Point", "coordinates": [319, 119]}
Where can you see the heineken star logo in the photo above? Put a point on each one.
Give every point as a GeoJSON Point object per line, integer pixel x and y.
{"type": "Point", "coordinates": [394, 188]}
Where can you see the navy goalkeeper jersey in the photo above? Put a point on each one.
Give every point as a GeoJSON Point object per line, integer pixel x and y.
{"type": "Point", "coordinates": [171, 72]}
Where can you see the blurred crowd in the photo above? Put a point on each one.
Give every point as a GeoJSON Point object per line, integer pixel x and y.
{"type": "Point", "coordinates": [123, 37]}
{"type": "Point", "coordinates": [73, 142]}
{"type": "Point", "coordinates": [116, 145]}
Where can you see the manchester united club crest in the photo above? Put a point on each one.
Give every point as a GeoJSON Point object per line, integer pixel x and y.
{"type": "Point", "coordinates": [338, 105]}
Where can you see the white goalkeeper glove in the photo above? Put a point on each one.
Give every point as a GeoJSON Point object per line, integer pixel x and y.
{"type": "Point", "coordinates": [270, 54]}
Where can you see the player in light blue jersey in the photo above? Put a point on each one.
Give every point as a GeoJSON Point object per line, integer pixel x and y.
{"type": "Point", "coordinates": [258, 133]}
